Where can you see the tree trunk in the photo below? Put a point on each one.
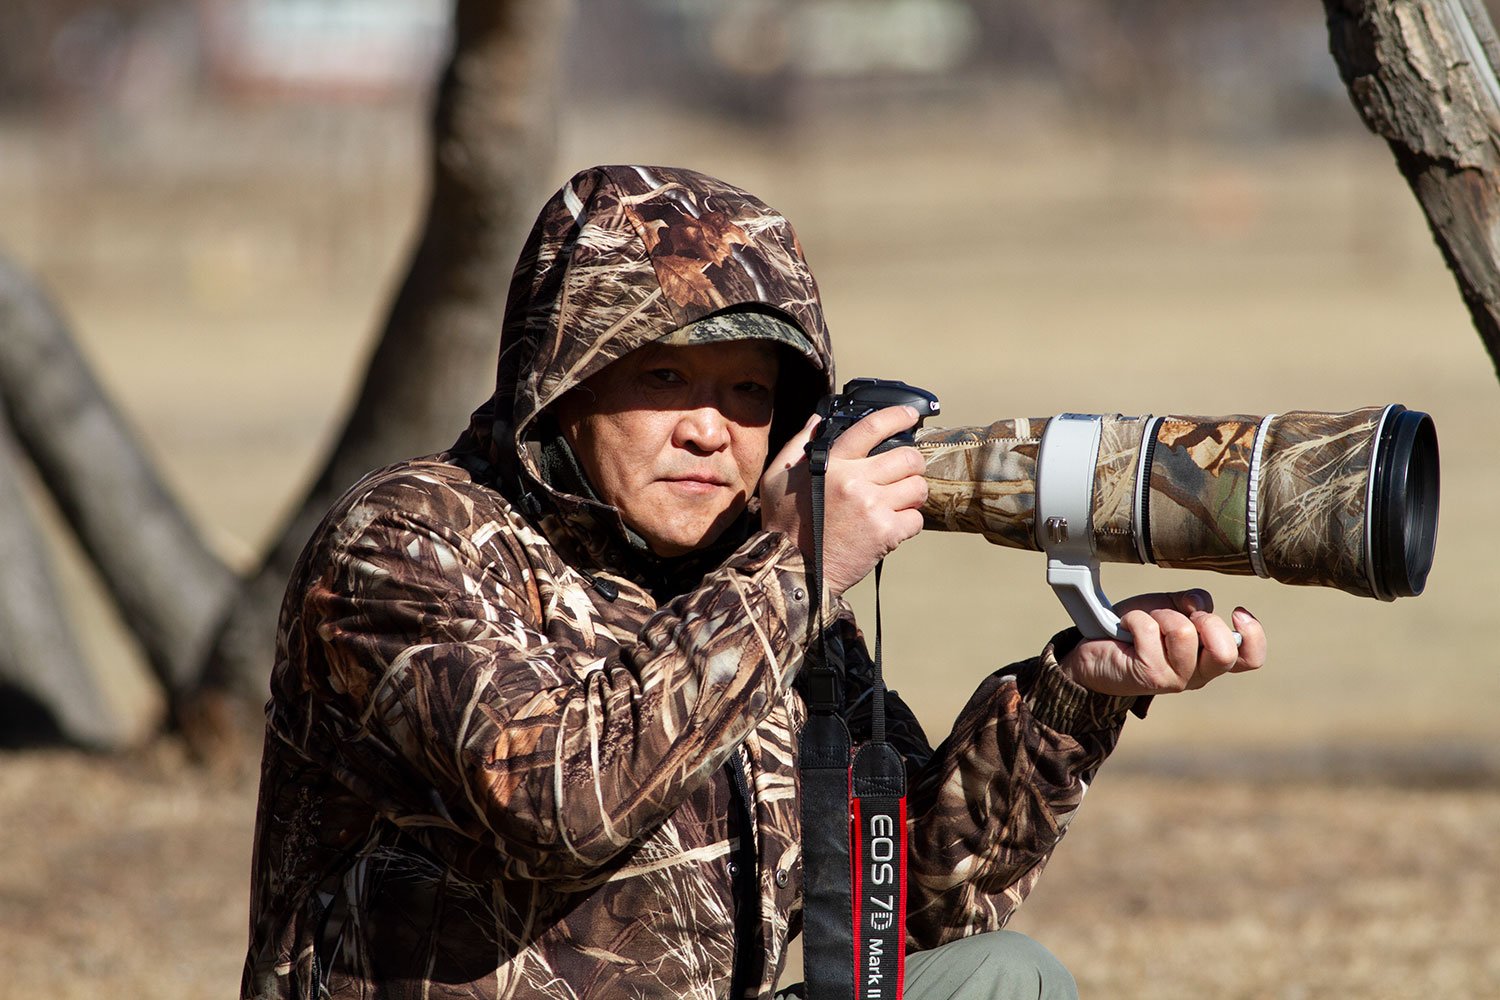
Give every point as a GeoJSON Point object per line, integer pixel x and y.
{"type": "Point", "coordinates": [493, 137]}
{"type": "Point", "coordinates": [46, 690]}
{"type": "Point", "coordinates": [170, 588]}
{"type": "Point", "coordinates": [1422, 75]}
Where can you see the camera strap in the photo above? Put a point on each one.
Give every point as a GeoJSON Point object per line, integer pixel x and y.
{"type": "Point", "coordinates": [853, 815]}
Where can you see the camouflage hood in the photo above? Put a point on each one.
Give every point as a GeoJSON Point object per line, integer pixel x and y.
{"type": "Point", "coordinates": [622, 256]}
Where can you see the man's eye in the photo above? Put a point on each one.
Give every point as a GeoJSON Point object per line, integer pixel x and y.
{"type": "Point", "coordinates": [666, 376]}
{"type": "Point", "coordinates": [754, 387]}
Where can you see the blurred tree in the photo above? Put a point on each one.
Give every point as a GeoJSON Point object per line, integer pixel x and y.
{"type": "Point", "coordinates": [62, 701]}
{"type": "Point", "coordinates": [168, 585]}
{"type": "Point", "coordinates": [207, 633]}
{"type": "Point", "coordinates": [493, 139]}
{"type": "Point", "coordinates": [53, 49]}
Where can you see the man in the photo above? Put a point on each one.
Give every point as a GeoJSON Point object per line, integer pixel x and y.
{"type": "Point", "coordinates": [534, 712]}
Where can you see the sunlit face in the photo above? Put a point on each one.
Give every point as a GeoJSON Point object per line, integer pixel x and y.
{"type": "Point", "coordinates": [676, 437]}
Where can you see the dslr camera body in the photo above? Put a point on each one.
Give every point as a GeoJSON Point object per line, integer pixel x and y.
{"type": "Point", "coordinates": [860, 398]}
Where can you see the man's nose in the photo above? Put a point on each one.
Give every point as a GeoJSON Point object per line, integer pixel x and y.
{"type": "Point", "coordinates": [703, 428]}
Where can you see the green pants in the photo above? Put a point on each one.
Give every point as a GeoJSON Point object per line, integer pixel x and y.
{"type": "Point", "coordinates": [1001, 965]}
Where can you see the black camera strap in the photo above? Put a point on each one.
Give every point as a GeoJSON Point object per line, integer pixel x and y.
{"type": "Point", "coordinates": [853, 815]}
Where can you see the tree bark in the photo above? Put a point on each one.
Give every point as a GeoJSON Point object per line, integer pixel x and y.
{"type": "Point", "coordinates": [493, 139]}
{"type": "Point", "coordinates": [1421, 73]}
{"type": "Point", "coordinates": [170, 588]}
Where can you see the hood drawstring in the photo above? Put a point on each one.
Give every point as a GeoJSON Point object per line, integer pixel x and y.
{"type": "Point", "coordinates": [606, 589]}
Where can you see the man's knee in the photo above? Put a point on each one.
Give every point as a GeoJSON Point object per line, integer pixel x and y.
{"type": "Point", "coordinates": [1001, 965]}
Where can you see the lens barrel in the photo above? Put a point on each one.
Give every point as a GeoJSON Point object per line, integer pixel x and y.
{"type": "Point", "coordinates": [1343, 500]}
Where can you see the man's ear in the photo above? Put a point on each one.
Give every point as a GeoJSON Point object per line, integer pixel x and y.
{"type": "Point", "coordinates": [565, 415]}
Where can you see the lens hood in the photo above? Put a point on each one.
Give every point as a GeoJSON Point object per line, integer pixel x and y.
{"type": "Point", "coordinates": [1402, 526]}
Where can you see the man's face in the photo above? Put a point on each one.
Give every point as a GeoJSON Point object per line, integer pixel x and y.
{"type": "Point", "coordinates": [676, 437]}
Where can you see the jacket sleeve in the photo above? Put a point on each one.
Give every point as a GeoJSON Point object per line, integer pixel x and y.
{"type": "Point", "coordinates": [425, 678]}
{"type": "Point", "coordinates": [991, 804]}
{"type": "Point", "coordinates": [987, 807]}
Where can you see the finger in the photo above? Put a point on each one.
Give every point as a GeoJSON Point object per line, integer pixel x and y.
{"type": "Point", "coordinates": [1252, 654]}
{"type": "Point", "coordinates": [1179, 641]}
{"type": "Point", "coordinates": [857, 441]}
{"type": "Point", "coordinates": [1217, 649]}
{"type": "Point", "coordinates": [795, 450]}
{"type": "Point", "coordinates": [1191, 601]}
{"type": "Point", "coordinates": [905, 524]}
{"type": "Point", "coordinates": [1185, 601]}
{"type": "Point", "coordinates": [1144, 660]}
{"type": "Point", "coordinates": [1145, 636]}
{"type": "Point", "coordinates": [894, 465]}
{"type": "Point", "coordinates": [877, 503]}
{"type": "Point", "coordinates": [906, 494]}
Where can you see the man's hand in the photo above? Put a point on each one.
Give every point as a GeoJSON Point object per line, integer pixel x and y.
{"type": "Point", "coordinates": [870, 504]}
{"type": "Point", "coordinates": [1179, 645]}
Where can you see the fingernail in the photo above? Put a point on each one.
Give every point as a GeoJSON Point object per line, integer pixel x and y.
{"type": "Point", "coordinates": [1241, 615]}
{"type": "Point", "coordinates": [1198, 599]}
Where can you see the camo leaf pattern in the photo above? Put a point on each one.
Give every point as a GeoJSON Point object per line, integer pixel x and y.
{"type": "Point", "coordinates": [1315, 494]}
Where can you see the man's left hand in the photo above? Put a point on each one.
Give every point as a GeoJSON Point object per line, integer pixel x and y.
{"type": "Point", "coordinates": [1180, 645]}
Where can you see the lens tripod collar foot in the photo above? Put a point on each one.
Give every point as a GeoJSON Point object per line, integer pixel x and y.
{"type": "Point", "coordinates": [1064, 529]}
{"type": "Point", "coordinates": [1077, 587]}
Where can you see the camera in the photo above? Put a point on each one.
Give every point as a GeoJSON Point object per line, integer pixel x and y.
{"type": "Point", "coordinates": [860, 398]}
{"type": "Point", "coordinates": [1345, 500]}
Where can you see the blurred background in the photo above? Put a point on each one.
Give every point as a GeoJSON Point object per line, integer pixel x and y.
{"type": "Point", "coordinates": [1028, 207]}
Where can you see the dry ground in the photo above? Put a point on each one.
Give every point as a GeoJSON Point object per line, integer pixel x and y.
{"type": "Point", "coordinates": [1329, 826]}
{"type": "Point", "coordinates": [126, 878]}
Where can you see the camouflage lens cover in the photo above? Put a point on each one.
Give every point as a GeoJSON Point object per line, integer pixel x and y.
{"type": "Point", "coordinates": [1200, 479]}
{"type": "Point", "coordinates": [1312, 494]}
{"type": "Point", "coordinates": [983, 479]}
{"type": "Point", "coordinates": [1314, 498]}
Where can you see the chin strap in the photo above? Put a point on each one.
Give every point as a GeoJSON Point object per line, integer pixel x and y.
{"type": "Point", "coordinates": [853, 815]}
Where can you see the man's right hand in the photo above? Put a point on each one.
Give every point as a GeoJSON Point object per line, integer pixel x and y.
{"type": "Point", "coordinates": [871, 504]}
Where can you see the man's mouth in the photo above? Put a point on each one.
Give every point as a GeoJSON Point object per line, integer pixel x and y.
{"type": "Point", "coordinates": [696, 480]}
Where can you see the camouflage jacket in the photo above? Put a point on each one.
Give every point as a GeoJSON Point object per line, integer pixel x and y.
{"type": "Point", "coordinates": [510, 754]}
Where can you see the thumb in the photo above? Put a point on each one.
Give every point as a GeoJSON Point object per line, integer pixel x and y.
{"type": "Point", "coordinates": [1185, 601]}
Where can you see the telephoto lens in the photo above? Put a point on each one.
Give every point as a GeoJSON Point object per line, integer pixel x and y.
{"type": "Point", "coordinates": [1343, 500]}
